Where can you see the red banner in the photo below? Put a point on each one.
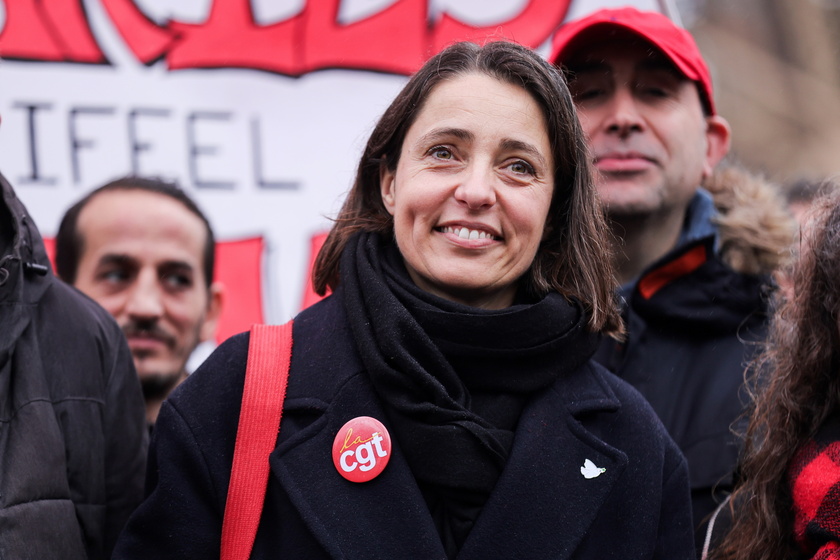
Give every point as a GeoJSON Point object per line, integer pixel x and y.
{"type": "Point", "coordinates": [397, 39]}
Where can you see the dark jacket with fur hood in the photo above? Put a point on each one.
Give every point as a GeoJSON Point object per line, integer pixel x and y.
{"type": "Point", "coordinates": [72, 422]}
{"type": "Point", "coordinates": [694, 318]}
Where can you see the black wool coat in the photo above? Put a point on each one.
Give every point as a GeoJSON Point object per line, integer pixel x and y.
{"type": "Point", "coordinates": [541, 507]}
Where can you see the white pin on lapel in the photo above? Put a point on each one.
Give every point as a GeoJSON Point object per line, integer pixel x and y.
{"type": "Point", "coordinates": [589, 470]}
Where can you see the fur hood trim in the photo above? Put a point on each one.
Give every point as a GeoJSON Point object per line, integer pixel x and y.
{"type": "Point", "coordinates": [756, 228]}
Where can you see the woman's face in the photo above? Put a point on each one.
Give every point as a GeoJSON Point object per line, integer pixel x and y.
{"type": "Point", "coordinates": [471, 191]}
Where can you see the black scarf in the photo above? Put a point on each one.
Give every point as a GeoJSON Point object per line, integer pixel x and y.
{"type": "Point", "coordinates": [454, 378]}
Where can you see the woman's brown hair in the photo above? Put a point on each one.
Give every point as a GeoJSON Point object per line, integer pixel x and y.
{"type": "Point", "coordinates": [573, 259]}
{"type": "Point", "coordinates": [795, 382]}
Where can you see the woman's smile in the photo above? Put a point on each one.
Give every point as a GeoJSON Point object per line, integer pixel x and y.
{"type": "Point", "coordinates": [467, 233]}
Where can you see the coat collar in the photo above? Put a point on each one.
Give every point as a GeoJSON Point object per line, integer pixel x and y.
{"type": "Point", "coordinates": [542, 481]}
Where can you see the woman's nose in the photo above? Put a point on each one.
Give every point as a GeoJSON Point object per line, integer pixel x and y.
{"type": "Point", "coordinates": [477, 189]}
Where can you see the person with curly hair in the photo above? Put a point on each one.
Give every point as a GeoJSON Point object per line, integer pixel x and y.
{"type": "Point", "coordinates": [788, 504]}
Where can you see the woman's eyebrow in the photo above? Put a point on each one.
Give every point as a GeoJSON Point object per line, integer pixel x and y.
{"type": "Point", "coordinates": [439, 134]}
{"type": "Point", "coordinates": [530, 149]}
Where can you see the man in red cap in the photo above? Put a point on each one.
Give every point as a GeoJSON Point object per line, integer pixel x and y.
{"type": "Point", "coordinates": [693, 263]}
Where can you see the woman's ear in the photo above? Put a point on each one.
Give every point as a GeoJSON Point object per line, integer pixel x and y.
{"type": "Point", "coordinates": [386, 186]}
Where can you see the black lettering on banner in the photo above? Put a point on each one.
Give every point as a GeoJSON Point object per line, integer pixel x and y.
{"type": "Point", "coordinates": [136, 145]}
{"type": "Point", "coordinates": [256, 147]}
{"type": "Point", "coordinates": [195, 150]}
{"type": "Point", "coordinates": [34, 171]}
{"type": "Point", "coordinates": [76, 143]}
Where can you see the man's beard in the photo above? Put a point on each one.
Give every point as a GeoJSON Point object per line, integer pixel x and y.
{"type": "Point", "coordinates": [158, 385]}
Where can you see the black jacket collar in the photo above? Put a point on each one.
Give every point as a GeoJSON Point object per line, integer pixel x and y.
{"type": "Point", "coordinates": [391, 511]}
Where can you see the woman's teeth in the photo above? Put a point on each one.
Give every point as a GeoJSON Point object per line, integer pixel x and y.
{"type": "Point", "coordinates": [466, 233]}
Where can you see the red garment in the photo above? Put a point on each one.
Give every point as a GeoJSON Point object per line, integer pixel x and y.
{"type": "Point", "coordinates": [814, 479]}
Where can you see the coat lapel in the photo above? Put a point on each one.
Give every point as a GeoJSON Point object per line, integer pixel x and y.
{"type": "Point", "coordinates": [387, 514]}
{"type": "Point", "coordinates": [542, 490]}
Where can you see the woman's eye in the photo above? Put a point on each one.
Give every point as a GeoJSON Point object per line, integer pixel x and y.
{"type": "Point", "coordinates": [441, 153]}
{"type": "Point", "coordinates": [522, 168]}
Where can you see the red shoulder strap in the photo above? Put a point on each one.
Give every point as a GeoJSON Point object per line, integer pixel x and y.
{"type": "Point", "coordinates": [269, 357]}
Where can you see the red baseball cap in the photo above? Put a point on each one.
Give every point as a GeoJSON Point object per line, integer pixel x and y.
{"type": "Point", "coordinates": [675, 42]}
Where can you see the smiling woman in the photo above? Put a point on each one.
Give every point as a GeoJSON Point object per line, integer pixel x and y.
{"type": "Point", "coordinates": [449, 372]}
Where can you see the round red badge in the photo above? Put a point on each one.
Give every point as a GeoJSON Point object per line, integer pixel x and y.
{"type": "Point", "coordinates": [361, 449]}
